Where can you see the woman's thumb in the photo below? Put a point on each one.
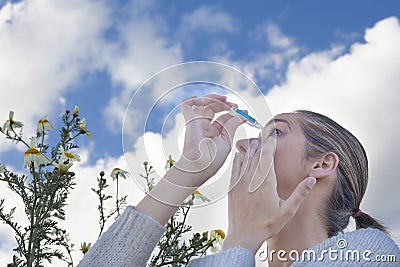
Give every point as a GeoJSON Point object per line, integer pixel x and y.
{"type": "Point", "coordinates": [292, 204]}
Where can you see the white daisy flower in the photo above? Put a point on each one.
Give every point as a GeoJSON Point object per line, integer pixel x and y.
{"type": "Point", "coordinates": [63, 165]}
{"type": "Point", "coordinates": [85, 247]}
{"type": "Point", "coordinates": [32, 155]}
{"type": "Point", "coordinates": [198, 195]}
{"type": "Point", "coordinates": [68, 155]}
{"type": "Point", "coordinates": [44, 125]}
{"type": "Point", "coordinates": [83, 130]}
{"type": "Point", "coordinates": [11, 124]}
{"type": "Point", "coordinates": [76, 111]}
{"type": "Point", "coordinates": [117, 172]}
{"type": "Point", "coordinates": [218, 236]}
{"type": "Point", "coordinates": [170, 162]}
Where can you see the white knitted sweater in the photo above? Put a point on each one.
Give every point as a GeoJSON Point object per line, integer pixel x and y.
{"type": "Point", "coordinates": [132, 238]}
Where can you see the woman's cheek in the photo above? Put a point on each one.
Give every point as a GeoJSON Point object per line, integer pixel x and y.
{"type": "Point", "coordinates": [286, 169]}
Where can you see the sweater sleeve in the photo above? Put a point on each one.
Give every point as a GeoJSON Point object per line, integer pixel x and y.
{"type": "Point", "coordinates": [235, 257]}
{"type": "Point", "coordinates": [129, 241]}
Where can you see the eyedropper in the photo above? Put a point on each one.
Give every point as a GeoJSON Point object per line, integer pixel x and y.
{"type": "Point", "coordinates": [250, 120]}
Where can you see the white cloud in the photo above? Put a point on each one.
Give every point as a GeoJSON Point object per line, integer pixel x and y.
{"type": "Point", "coordinates": [359, 90]}
{"type": "Point", "coordinates": [146, 47]}
{"type": "Point", "coordinates": [268, 63]}
{"type": "Point", "coordinates": [351, 88]}
{"type": "Point", "coordinates": [276, 38]}
{"type": "Point", "coordinates": [207, 19]}
{"type": "Point", "coordinates": [44, 47]}
{"type": "Point", "coordinates": [142, 51]}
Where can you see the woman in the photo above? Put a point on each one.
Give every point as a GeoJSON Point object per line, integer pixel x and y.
{"type": "Point", "coordinates": [266, 202]}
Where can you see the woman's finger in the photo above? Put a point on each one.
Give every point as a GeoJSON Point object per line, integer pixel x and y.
{"type": "Point", "coordinates": [249, 162]}
{"type": "Point", "coordinates": [230, 127]}
{"type": "Point", "coordinates": [235, 173]}
{"type": "Point", "coordinates": [207, 105]}
{"type": "Point", "coordinates": [255, 177]}
{"type": "Point", "coordinates": [186, 107]}
{"type": "Point", "coordinates": [219, 123]}
{"type": "Point", "coordinates": [206, 100]}
{"type": "Point", "coordinates": [218, 106]}
{"type": "Point", "coordinates": [292, 204]}
{"type": "Point", "coordinates": [266, 168]}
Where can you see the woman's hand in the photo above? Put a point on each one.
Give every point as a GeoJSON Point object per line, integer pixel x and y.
{"type": "Point", "coordinates": [208, 140]}
{"type": "Point", "coordinates": [256, 212]}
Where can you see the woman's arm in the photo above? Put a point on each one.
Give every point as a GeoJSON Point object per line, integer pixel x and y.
{"type": "Point", "coordinates": [206, 146]}
{"type": "Point", "coordinates": [131, 239]}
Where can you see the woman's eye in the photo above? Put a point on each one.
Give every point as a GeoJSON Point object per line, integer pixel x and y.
{"type": "Point", "coordinates": [276, 132]}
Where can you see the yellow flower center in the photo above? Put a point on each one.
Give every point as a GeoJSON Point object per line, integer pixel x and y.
{"type": "Point", "coordinates": [196, 192]}
{"type": "Point", "coordinates": [43, 121]}
{"type": "Point", "coordinates": [83, 129]}
{"type": "Point", "coordinates": [69, 155]}
{"type": "Point", "coordinates": [32, 151]}
{"type": "Point", "coordinates": [220, 233]}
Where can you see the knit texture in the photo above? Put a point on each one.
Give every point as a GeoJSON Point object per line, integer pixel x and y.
{"type": "Point", "coordinates": [363, 247]}
{"type": "Point", "coordinates": [128, 242]}
{"type": "Point", "coordinates": [133, 236]}
{"type": "Point", "coordinates": [235, 257]}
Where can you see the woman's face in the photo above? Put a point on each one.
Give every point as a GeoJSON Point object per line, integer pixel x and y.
{"type": "Point", "coordinates": [290, 165]}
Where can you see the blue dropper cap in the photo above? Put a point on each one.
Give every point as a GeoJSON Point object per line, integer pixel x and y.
{"type": "Point", "coordinates": [250, 120]}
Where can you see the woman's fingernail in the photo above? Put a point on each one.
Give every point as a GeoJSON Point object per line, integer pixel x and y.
{"type": "Point", "coordinates": [254, 142]}
{"type": "Point", "coordinates": [311, 182]}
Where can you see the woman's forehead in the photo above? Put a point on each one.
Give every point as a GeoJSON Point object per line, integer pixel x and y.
{"type": "Point", "coordinates": [289, 118]}
{"type": "Point", "coordinates": [288, 115]}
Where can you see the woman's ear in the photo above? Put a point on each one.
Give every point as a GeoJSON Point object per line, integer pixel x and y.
{"type": "Point", "coordinates": [325, 166]}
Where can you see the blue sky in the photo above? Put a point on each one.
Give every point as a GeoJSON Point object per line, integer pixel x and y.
{"type": "Point", "coordinates": [310, 25]}
{"type": "Point", "coordinates": [327, 56]}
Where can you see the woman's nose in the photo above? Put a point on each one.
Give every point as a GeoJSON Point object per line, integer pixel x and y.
{"type": "Point", "coordinates": [243, 145]}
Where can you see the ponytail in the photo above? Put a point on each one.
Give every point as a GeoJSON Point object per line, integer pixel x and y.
{"type": "Point", "coordinates": [324, 135]}
{"type": "Point", "coordinates": [364, 220]}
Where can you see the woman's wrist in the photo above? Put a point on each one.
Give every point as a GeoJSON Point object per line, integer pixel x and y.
{"type": "Point", "coordinates": [165, 198]}
{"type": "Point", "coordinates": [189, 173]}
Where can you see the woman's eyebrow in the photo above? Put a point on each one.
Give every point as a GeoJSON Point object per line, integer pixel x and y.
{"type": "Point", "coordinates": [273, 121]}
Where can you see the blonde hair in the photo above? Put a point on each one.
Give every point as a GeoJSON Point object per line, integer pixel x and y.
{"type": "Point", "coordinates": [324, 135]}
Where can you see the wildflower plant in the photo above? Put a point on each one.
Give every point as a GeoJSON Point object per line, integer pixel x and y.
{"type": "Point", "coordinates": [174, 247]}
{"type": "Point", "coordinates": [43, 191]}
{"type": "Point", "coordinates": [100, 191]}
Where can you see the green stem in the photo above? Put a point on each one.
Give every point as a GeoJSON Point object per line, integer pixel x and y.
{"type": "Point", "coordinates": [102, 220]}
{"type": "Point", "coordinates": [42, 142]}
{"type": "Point", "coordinates": [171, 222]}
{"type": "Point", "coordinates": [32, 234]}
{"type": "Point", "coordinates": [116, 198]}
{"type": "Point", "coordinates": [17, 232]}
{"type": "Point", "coordinates": [72, 138]}
{"type": "Point", "coordinates": [19, 137]}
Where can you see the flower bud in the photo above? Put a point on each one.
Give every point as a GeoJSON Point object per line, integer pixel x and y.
{"type": "Point", "coordinates": [76, 111]}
